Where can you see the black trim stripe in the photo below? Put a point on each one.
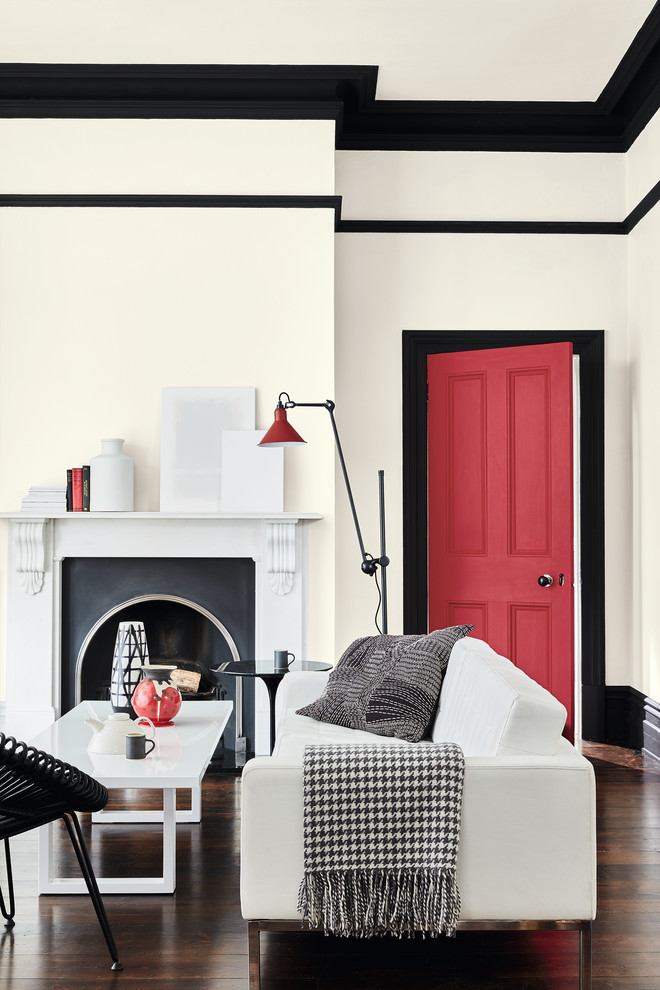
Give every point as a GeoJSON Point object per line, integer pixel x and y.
{"type": "Point", "coordinates": [175, 202]}
{"type": "Point", "coordinates": [347, 94]}
{"type": "Point", "coordinates": [141, 200]}
{"type": "Point", "coordinates": [617, 227]}
{"type": "Point", "coordinates": [644, 206]}
{"type": "Point", "coordinates": [480, 227]}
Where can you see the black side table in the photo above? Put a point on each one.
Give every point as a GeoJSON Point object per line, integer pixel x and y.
{"type": "Point", "coordinates": [270, 677]}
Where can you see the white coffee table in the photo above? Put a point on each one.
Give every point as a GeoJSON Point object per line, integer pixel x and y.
{"type": "Point", "coordinates": [182, 753]}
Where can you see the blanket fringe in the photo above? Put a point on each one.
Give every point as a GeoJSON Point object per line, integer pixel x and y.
{"type": "Point", "coordinates": [365, 903]}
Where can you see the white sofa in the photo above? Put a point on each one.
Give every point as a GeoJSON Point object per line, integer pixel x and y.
{"type": "Point", "coordinates": [527, 852]}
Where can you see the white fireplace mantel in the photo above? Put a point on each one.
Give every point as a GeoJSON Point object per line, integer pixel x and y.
{"type": "Point", "coordinates": [277, 542]}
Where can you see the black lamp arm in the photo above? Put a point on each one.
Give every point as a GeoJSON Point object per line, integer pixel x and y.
{"type": "Point", "coordinates": [369, 563]}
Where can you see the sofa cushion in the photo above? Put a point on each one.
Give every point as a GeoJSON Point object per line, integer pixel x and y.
{"type": "Point", "coordinates": [387, 685]}
{"type": "Point", "coordinates": [492, 708]}
{"type": "Point", "coordinates": [297, 731]}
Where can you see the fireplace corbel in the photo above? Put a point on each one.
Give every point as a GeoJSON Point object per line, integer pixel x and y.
{"type": "Point", "coordinates": [29, 553]}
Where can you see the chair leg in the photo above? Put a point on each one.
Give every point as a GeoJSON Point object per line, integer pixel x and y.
{"type": "Point", "coordinates": [8, 914]}
{"type": "Point", "coordinates": [78, 842]}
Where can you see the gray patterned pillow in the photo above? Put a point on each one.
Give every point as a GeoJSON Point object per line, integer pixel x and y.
{"type": "Point", "coordinates": [388, 685]}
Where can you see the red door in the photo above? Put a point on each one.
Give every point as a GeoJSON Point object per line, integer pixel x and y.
{"type": "Point", "coordinates": [500, 487]}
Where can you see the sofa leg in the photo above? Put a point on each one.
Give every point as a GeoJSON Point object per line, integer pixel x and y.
{"type": "Point", "coordinates": [585, 957]}
{"type": "Point", "coordinates": [254, 955]}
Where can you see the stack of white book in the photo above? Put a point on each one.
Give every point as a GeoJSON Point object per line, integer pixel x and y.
{"type": "Point", "coordinates": [45, 498]}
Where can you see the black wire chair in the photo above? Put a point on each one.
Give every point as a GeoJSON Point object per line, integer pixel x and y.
{"type": "Point", "coordinates": [36, 789]}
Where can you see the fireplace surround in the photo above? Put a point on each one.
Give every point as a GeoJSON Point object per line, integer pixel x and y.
{"type": "Point", "coordinates": [41, 671]}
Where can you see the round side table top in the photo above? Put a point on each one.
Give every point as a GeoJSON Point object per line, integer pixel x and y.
{"type": "Point", "coordinates": [265, 668]}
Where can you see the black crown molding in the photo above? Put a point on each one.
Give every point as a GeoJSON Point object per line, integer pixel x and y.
{"type": "Point", "coordinates": [347, 95]}
{"type": "Point", "coordinates": [256, 92]}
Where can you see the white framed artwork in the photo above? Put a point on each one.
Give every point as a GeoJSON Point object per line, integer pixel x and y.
{"type": "Point", "coordinates": [192, 424]}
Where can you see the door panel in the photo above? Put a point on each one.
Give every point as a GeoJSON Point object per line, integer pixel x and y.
{"type": "Point", "coordinates": [466, 478]}
{"type": "Point", "coordinates": [528, 429]}
{"type": "Point", "coordinates": [500, 503]}
{"type": "Point", "coordinates": [530, 639]}
{"type": "Point", "coordinates": [469, 614]}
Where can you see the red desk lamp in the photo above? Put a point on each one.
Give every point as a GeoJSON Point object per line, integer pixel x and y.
{"type": "Point", "coordinates": [282, 434]}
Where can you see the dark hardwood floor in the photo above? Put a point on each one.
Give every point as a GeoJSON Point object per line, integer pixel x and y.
{"type": "Point", "coordinates": [196, 938]}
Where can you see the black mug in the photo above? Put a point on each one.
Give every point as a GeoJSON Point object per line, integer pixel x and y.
{"type": "Point", "coordinates": [280, 661]}
{"type": "Point", "coordinates": [136, 745]}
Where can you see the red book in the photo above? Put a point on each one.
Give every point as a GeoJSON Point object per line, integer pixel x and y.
{"type": "Point", "coordinates": [77, 493]}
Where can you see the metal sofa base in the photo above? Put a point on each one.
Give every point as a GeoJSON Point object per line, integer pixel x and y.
{"type": "Point", "coordinates": [255, 928]}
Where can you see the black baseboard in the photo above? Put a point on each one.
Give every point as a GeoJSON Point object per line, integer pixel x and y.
{"type": "Point", "coordinates": [632, 720]}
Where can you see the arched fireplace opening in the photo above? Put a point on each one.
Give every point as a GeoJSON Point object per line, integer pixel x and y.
{"type": "Point", "coordinates": [178, 631]}
{"type": "Point", "coordinates": [197, 615]}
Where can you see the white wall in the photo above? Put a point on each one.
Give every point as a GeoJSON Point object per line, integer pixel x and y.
{"type": "Point", "coordinates": [644, 259]}
{"type": "Point", "coordinates": [462, 185]}
{"type": "Point", "coordinates": [228, 157]}
{"type": "Point", "coordinates": [641, 163]}
{"type": "Point", "coordinates": [89, 298]}
{"type": "Point", "coordinates": [644, 319]}
{"type": "Point", "coordinates": [101, 308]}
{"type": "Point", "coordinates": [387, 283]}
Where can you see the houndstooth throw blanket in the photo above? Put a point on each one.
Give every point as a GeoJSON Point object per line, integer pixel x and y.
{"type": "Point", "coordinates": [381, 830]}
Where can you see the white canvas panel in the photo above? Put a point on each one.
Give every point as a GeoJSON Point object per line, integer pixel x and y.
{"type": "Point", "coordinates": [252, 476]}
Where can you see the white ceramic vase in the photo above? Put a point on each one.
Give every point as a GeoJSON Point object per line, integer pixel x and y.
{"type": "Point", "coordinates": [131, 653]}
{"type": "Point", "coordinates": [111, 478]}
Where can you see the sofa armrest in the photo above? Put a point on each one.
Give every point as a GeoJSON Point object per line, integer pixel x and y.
{"type": "Point", "coordinates": [271, 837]}
{"type": "Point", "coordinates": [527, 849]}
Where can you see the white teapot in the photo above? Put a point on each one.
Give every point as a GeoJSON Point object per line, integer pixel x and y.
{"type": "Point", "coordinates": [110, 736]}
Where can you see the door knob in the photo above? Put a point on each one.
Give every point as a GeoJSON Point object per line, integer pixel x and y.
{"type": "Point", "coordinates": [545, 580]}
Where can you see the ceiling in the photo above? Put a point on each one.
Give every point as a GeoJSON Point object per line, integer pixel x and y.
{"type": "Point", "coordinates": [444, 50]}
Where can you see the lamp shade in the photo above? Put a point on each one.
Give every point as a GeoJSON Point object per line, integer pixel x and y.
{"type": "Point", "coordinates": [281, 433]}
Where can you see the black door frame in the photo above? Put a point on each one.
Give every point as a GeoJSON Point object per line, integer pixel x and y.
{"type": "Point", "coordinates": [590, 345]}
